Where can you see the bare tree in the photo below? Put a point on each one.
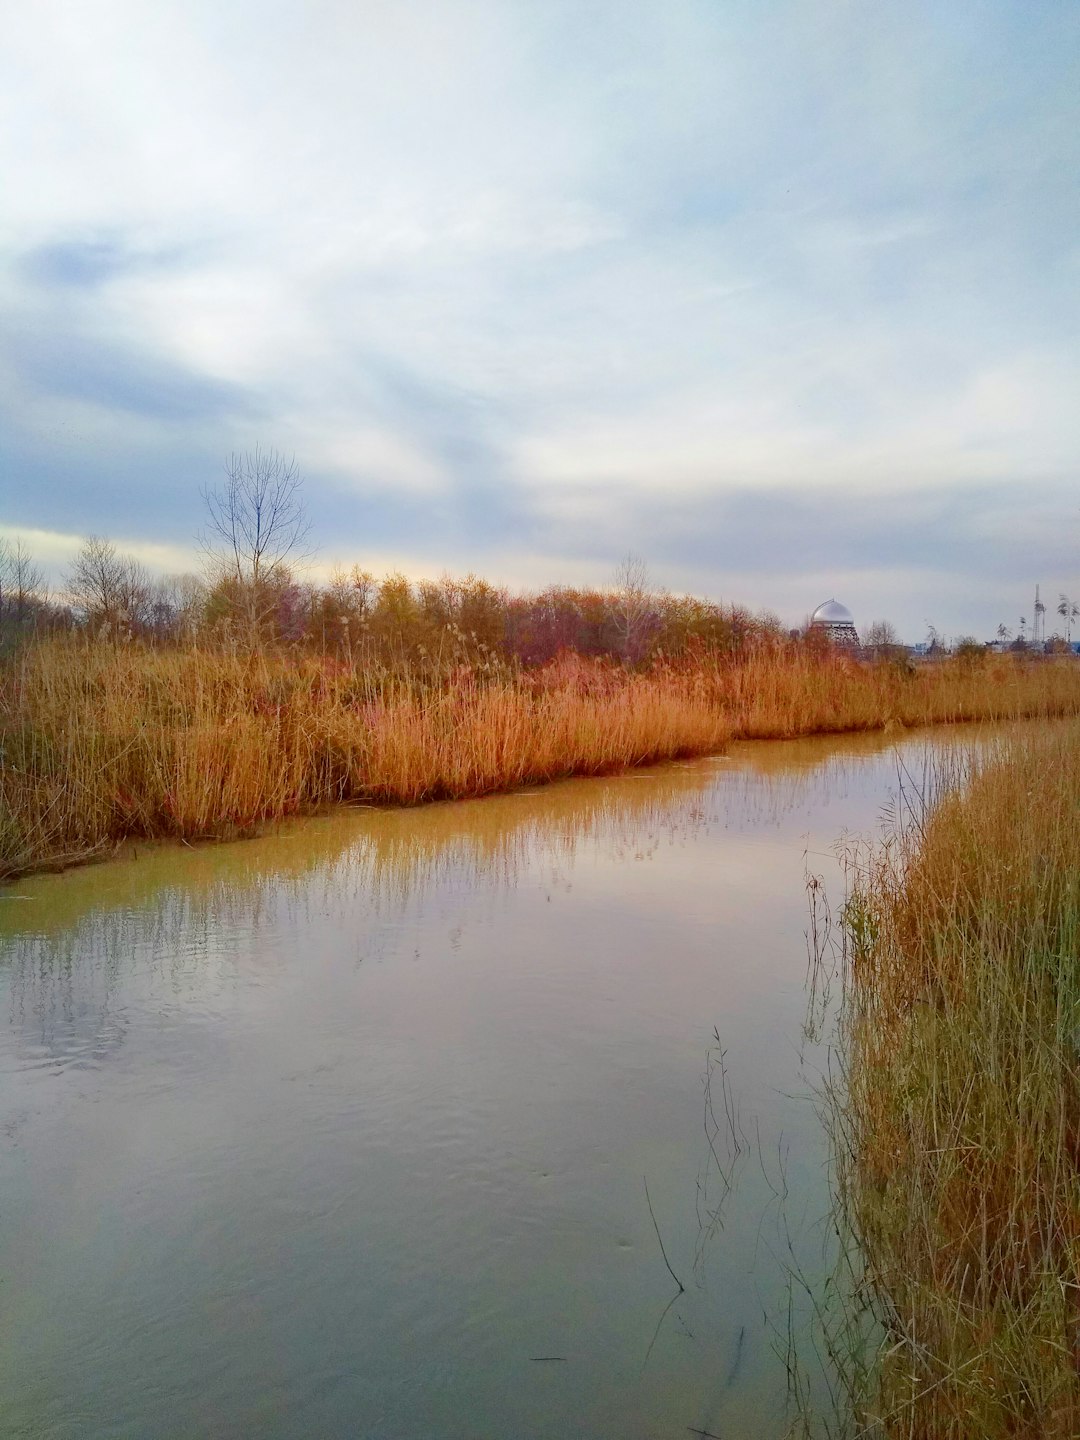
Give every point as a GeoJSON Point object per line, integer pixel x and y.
{"type": "Point", "coordinates": [6, 608]}
{"type": "Point", "coordinates": [631, 608]}
{"type": "Point", "coordinates": [22, 585]}
{"type": "Point", "coordinates": [881, 637]}
{"type": "Point", "coordinates": [188, 597]}
{"type": "Point", "coordinates": [28, 579]}
{"type": "Point", "coordinates": [256, 525]}
{"type": "Point", "coordinates": [175, 605]}
{"type": "Point", "coordinates": [109, 591]}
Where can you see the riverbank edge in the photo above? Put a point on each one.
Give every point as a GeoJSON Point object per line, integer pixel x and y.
{"type": "Point", "coordinates": [129, 847]}
{"type": "Point", "coordinates": [956, 1119]}
{"type": "Point", "coordinates": [103, 747]}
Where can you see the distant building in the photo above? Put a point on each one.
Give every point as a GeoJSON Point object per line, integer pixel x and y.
{"type": "Point", "coordinates": [836, 622]}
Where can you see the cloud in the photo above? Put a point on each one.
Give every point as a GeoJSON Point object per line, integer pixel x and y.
{"type": "Point", "coordinates": [87, 264]}
{"type": "Point", "coordinates": [93, 371]}
{"type": "Point", "coordinates": [754, 291]}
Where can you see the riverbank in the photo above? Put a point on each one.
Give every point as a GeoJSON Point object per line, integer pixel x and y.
{"type": "Point", "coordinates": [105, 743]}
{"type": "Point", "coordinates": [958, 1129]}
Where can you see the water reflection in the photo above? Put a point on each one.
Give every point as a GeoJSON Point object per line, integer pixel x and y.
{"type": "Point", "coordinates": [345, 1129]}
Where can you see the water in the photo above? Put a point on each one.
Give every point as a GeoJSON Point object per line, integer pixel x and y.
{"type": "Point", "coordinates": [347, 1131]}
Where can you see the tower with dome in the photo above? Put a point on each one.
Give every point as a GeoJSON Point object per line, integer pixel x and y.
{"type": "Point", "coordinates": [836, 622]}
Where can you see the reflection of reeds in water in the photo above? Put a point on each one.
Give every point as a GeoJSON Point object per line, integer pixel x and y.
{"type": "Point", "coordinates": [766, 784]}
{"type": "Point", "coordinates": [955, 1312]}
{"type": "Point", "coordinates": [383, 853]}
{"type": "Point", "coordinates": [183, 910]}
{"type": "Point", "coordinates": [180, 916]}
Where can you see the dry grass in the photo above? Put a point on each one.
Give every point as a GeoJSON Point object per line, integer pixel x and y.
{"type": "Point", "coordinates": [103, 742]}
{"type": "Point", "coordinates": [773, 697]}
{"type": "Point", "coordinates": [959, 1122]}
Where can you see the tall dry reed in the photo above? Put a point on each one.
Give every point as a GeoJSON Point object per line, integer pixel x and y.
{"type": "Point", "coordinates": [783, 695]}
{"type": "Point", "coordinates": [958, 1122]}
{"type": "Point", "coordinates": [101, 742]}
{"type": "Point", "coordinates": [105, 743]}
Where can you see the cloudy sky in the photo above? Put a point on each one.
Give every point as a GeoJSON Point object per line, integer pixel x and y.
{"type": "Point", "coordinates": [784, 297]}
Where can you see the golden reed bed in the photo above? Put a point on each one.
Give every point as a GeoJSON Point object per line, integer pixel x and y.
{"type": "Point", "coordinates": [104, 742]}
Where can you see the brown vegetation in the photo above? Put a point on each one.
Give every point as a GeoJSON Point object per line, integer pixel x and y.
{"type": "Point", "coordinates": [959, 1123]}
{"type": "Point", "coordinates": [783, 693]}
{"type": "Point", "coordinates": [104, 741]}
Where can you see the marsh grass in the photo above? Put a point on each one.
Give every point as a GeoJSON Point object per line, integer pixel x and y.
{"type": "Point", "coordinates": [103, 742]}
{"type": "Point", "coordinates": [782, 695]}
{"type": "Point", "coordinates": [955, 1314]}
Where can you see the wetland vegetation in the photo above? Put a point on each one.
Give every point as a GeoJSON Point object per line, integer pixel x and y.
{"type": "Point", "coordinates": [191, 708]}
{"type": "Point", "coordinates": [106, 740]}
{"type": "Point", "coordinates": [956, 1111]}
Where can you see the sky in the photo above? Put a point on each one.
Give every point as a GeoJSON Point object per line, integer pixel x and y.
{"type": "Point", "coordinates": [782, 297]}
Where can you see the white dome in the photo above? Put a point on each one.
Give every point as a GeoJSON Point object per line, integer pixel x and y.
{"type": "Point", "coordinates": [832, 613]}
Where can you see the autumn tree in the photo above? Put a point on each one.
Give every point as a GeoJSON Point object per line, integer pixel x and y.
{"type": "Point", "coordinates": [481, 613]}
{"type": "Point", "coordinates": [968, 650]}
{"type": "Point", "coordinates": [341, 611]}
{"type": "Point", "coordinates": [395, 620]}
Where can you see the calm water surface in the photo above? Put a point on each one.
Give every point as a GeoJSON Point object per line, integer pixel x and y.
{"type": "Point", "coordinates": [346, 1131]}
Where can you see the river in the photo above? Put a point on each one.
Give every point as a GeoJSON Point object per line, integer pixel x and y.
{"type": "Point", "coordinates": [402, 1123]}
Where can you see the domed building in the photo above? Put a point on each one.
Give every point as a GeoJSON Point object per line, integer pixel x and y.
{"type": "Point", "coordinates": [836, 622]}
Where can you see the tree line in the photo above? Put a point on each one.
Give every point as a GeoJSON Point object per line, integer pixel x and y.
{"type": "Point", "coordinates": [359, 618]}
{"type": "Point", "coordinates": [255, 537]}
